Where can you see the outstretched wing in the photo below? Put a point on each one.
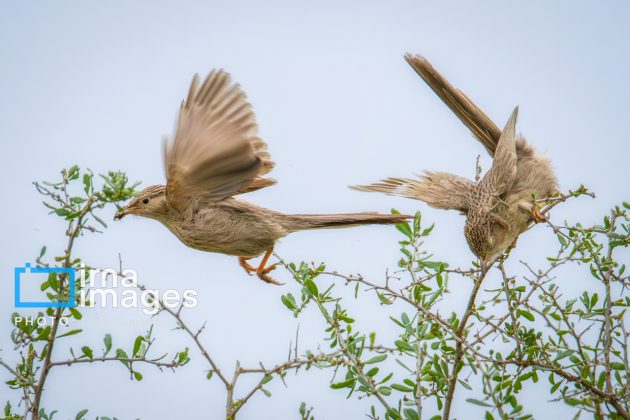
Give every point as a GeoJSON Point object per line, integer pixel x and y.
{"type": "Point", "coordinates": [216, 151]}
{"type": "Point", "coordinates": [474, 118]}
{"type": "Point", "coordinates": [441, 190]}
{"type": "Point", "coordinates": [503, 171]}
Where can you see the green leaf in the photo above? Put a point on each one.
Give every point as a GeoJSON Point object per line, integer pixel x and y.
{"type": "Point", "coordinates": [75, 314]}
{"type": "Point", "coordinates": [403, 345]}
{"type": "Point", "coordinates": [81, 414]}
{"type": "Point", "coordinates": [564, 354]}
{"type": "Point", "coordinates": [401, 388]}
{"type": "Point", "coordinates": [137, 344]}
{"type": "Point", "coordinates": [617, 366]}
{"type": "Point", "coordinates": [266, 379]}
{"type": "Point", "coordinates": [348, 383]}
{"type": "Point", "coordinates": [376, 359]}
{"type": "Point", "coordinates": [434, 265]}
{"type": "Point", "coordinates": [87, 352]}
{"type": "Point", "coordinates": [372, 372]}
{"type": "Point", "coordinates": [73, 172]}
{"type": "Point", "coordinates": [137, 375]}
{"type": "Point", "coordinates": [465, 384]}
{"type": "Point", "coordinates": [385, 390]}
{"type": "Point", "coordinates": [525, 314]}
{"type": "Point", "coordinates": [61, 212]}
{"type": "Point", "coordinates": [411, 414]}
{"type": "Point", "coordinates": [405, 230]}
{"type": "Point", "coordinates": [122, 357]}
{"type": "Point", "coordinates": [71, 332]}
{"type": "Point", "coordinates": [383, 299]}
{"type": "Point", "coordinates": [287, 302]}
{"type": "Point", "coordinates": [98, 219]}
{"type": "Point", "coordinates": [108, 342]}
{"type": "Point", "coordinates": [477, 402]}
{"type": "Point", "coordinates": [87, 182]}
{"type": "Point", "coordinates": [311, 287]}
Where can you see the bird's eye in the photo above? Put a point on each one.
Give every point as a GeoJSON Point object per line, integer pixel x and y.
{"type": "Point", "coordinates": [145, 201]}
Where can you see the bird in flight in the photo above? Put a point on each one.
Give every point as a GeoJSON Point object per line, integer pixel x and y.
{"type": "Point", "coordinates": [503, 203]}
{"type": "Point", "coordinates": [215, 155]}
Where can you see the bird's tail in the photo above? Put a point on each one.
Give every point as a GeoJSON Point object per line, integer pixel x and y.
{"type": "Point", "coordinates": [482, 127]}
{"type": "Point", "coordinates": [295, 222]}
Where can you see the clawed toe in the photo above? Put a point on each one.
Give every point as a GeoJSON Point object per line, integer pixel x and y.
{"type": "Point", "coordinates": [248, 268]}
{"type": "Point", "coordinates": [538, 216]}
{"type": "Point", "coordinates": [262, 274]}
{"type": "Point", "coordinates": [264, 277]}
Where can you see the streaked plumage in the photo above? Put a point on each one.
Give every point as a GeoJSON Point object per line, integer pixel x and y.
{"type": "Point", "coordinates": [499, 207]}
{"type": "Point", "coordinates": [215, 155]}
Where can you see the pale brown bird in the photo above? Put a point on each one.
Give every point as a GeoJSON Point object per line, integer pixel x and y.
{"type": "Point", "coordinates": [500, 206]}
{"type": "Point", "coordinates": [215, 155]}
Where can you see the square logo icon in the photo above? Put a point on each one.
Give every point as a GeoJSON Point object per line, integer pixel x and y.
{"type": "Point", "coordinates": [19, 271]}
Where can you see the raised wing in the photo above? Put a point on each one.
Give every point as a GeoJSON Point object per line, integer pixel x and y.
{"type": "Point", "coordinates": [503, 171]}
{"type": "Point", "coordinates": [216, 151]}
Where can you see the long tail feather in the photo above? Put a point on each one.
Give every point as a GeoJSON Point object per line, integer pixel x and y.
{"type": "Point", "coordinates": [482, 127]}
{"type": "Point", "coordinates": [295, 222]}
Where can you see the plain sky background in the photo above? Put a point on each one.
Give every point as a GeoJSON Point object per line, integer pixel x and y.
{"type": "Point", "coordinates": [99, 84]}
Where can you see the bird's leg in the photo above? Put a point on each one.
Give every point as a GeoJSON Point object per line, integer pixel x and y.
{"type": "Point", "coordinates": [262, 271]}
{"type": "Point", "coordinates": [242, 261]}
{"type": "Point", "coordinates": [537, 215]}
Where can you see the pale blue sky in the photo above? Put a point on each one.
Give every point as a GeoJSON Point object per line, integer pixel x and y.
{"type": "Point", "coordinates": [99, 84]}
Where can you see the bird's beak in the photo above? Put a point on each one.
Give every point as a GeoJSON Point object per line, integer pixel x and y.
{"type": "Point", "coordinates": [121, 214]}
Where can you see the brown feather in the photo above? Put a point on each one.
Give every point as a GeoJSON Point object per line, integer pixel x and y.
{"type": "Point", "coordinates": [216, 151]}
{"type": "Point", "coordinates": [482, 127]}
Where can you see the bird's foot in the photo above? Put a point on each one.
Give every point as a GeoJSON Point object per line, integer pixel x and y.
{"type": "Point", "coordinates": [261, 271]}
{"type": "Point", "coordinates": [262, 274]}
{"type": "Point", "coordinates": [537, 215]}
{"type": "Point", "coordinates": [242, 261]}
{"type": "Point", "coordinates": [512, 245]}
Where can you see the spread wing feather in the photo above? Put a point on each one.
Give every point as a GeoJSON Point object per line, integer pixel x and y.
{"type": "Point", "coordinates": [215, 151]}
{"type": "Point", "coordinates": [441, 190]}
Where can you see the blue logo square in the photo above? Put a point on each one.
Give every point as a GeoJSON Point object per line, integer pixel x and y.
{"type": "Point", "coordinates": [71, 303]}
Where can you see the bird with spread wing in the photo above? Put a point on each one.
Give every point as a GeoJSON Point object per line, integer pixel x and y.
{"type": "Point", "coordinates": [501, 205]}
{"type": "Point", "coordinates": [215, 155]}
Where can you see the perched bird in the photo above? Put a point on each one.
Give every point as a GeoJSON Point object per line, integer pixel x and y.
{"type": "Point", "coordinates": [215, 155]}
{"type": "Point", "coordinates": [502, 204]}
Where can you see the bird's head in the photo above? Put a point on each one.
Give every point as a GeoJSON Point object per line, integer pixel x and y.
{"type": "Point", "coordinates": [150, 202]}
